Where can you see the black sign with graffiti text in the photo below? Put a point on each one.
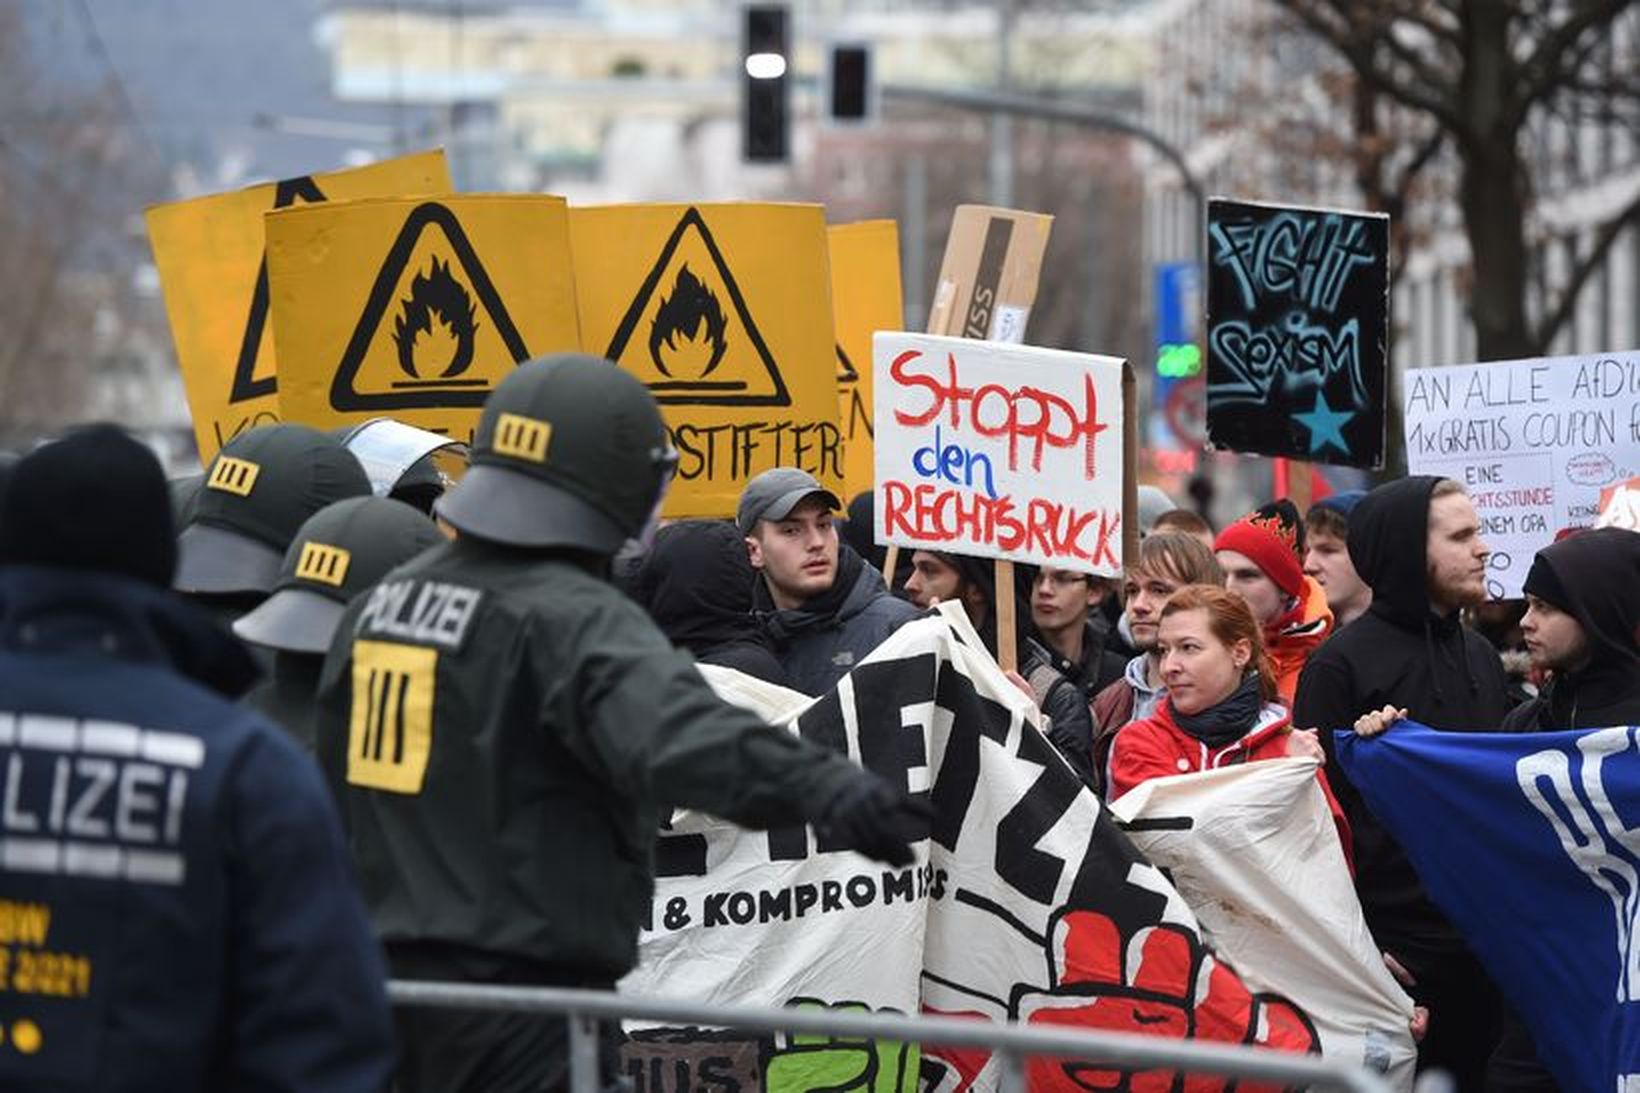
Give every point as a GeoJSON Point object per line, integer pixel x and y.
{"type": "Point", "coordinates": [1297, 332]}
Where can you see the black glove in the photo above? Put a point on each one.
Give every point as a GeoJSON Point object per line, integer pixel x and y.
{"type": "Point", "coordinates": [876, 819]}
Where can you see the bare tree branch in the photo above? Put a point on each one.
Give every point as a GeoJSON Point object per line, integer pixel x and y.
{"type": "Point", "coordinates": [1547, 66]}
{"type": "Point", "coordinates": [1582, 271]}
{"type": "Point", "coordinates": [1356, 43]}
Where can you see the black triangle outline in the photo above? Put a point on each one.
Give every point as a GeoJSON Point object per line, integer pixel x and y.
{"type": "Point", "coordinates": [245, 384]}
{"type": "Point", "coordinates": [849, 374]}
{"type": "Point", "coordinates": [671, 396]}
{"type": "Point", "coordinates": [343, 396]}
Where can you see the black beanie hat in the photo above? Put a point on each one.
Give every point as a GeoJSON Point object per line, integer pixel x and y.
{"type": "Point", "coordinates": [96, 499]}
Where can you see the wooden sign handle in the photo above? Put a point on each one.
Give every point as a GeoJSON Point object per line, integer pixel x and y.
{"type": "Point", "coordinates": [1007, 646]}
{"type": "Point", "coordinates": [1298, 485]}
{"type": "Point", "coordinates": [890, 564]}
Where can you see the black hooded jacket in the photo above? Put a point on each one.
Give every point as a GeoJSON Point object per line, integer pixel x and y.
{"type": "Point", "coordinates": [696, 583]}
{"type": "Point", "coordinates": [1400, 653]}
{"type": "Point", "coordinates": [1599, 574]}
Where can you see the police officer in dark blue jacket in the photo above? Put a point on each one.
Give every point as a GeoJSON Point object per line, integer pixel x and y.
{"type": "Point", "coordinates": [176, 907]}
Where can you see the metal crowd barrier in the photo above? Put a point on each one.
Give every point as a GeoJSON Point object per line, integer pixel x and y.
{"type": "Point", "coordinates": [1013, 1044]}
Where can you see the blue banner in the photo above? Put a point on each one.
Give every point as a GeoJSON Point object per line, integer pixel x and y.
{"type": "Point", "coordinates": [1525, 841]}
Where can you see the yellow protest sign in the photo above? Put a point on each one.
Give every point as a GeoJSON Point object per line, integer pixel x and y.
{"type": "Point", "coordinates": [865, 297]}
{"type": "Point", "coordinates": [724, 312]}
{"type": "Point", "coordinates": [416, 308]}
{"type": "Point", "coordinates": [214, 272]}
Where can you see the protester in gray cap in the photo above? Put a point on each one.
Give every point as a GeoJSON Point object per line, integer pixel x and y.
{"type": "Point", "coordinates": [258, 490]}
{"type": "Point", "coordinates": [822, 606]}
{"type": "Point", "coordinates": [342, 550]}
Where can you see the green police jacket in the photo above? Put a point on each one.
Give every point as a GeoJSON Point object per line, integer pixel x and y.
{"type": "Point", "coordinates": [504, 730]}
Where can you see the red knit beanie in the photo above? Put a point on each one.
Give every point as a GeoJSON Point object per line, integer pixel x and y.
{"type": "Point", "coordinates": [1273, 536]}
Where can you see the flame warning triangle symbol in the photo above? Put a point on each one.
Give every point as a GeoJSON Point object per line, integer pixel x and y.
{"type": "Point", "coordinates": [256, 343]}
{"type": "Point", "coordinates": [434, 332]}
{"type": "Point", "coordinates": [688, 334]}
{"type": "Point", "coordinates": [845, 368]}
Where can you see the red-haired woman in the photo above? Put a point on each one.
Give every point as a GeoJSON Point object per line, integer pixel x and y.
{"type": "Point", "coordinates": [1221, 706]}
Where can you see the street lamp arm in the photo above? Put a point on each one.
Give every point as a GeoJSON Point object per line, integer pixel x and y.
{"type": "Point", "coordinates": [1072, 113]}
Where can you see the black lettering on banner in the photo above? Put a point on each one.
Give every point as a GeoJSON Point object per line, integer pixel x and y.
{"type": "Point", "coordinates": [831, 896]}
{"type": "Point", "coordinates": [861, 891]}
{"type": "Point", "coordinates": [1032, 872]}
{"type": "Point", "coordinates": [679, 855]}
{"type": "Point", "coordinates": [958, 775]}
{"type": "Point", "coordinates": [693, 1060]}
{"type": "Point", "coordinates": [807, 896]}
{"type": "Point", "coordinates": [899, 886]}
{"type": "Point", "coordinates": [774, 906]}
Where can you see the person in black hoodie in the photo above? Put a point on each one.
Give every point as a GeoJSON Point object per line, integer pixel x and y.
{"type": "Point", "coordinates": [1582, 615]}
{"type": "Point", "coordinates": [696, 583]}
{"type": "Point", "coordinates": [1411, 651]}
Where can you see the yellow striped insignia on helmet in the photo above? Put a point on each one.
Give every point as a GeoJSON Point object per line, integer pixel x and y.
{"type": "Point", "coordinates": [522, 437]}
{"type": "Point", "coordinates": [233, 475]}
{"type": "Point", "coordinates": [323, 563]}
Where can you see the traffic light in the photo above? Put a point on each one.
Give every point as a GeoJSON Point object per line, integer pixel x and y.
{"type": "Point", "coordinates": [766, 53]}
{"type": "Point", "coordinates": [849, 92]}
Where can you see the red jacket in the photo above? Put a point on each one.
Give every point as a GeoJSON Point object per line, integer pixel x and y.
{"type": "Point", "coordinates": [1156, 747]}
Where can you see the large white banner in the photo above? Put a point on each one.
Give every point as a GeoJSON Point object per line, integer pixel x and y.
{"type": "Point", "coordinates": [1255, 852]}
{"type": "Point", "coordinates": [1027, 903]}
{"type": "Point", "coordinates": [1533, 441]}
{"type": "Point", "coordinates": [997, 450]}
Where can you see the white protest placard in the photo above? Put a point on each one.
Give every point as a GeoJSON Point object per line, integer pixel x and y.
{"type": "Point", "coordinates": [1533, 441]}
{"type": "Point", "coordinates": [1000, 451]}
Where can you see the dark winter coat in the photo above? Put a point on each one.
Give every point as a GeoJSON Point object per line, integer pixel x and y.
{"type": "Point", "coordinates": [524, 726]}
{"type": "Point", "coordinates": [1599, 572]}
{"type": "Point", "coordinates": [1400, 653]}
{"type": "Point", "coordinates": [819, 642]}
{"type": "Point", "coordinates": [696, 583]}
{"type": "Point", "coordinates": [201, 907]}
{"type": "Point", "coordinates": [288, 695]}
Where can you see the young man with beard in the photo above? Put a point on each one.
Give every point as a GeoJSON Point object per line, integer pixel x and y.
{"type": "Point", "coordinates": [1327, 557]}
{"type": "Point", "coordinates": [823, 607]}
{"type": "Point", "coordinates": [1417, 543]}
{"type": "Point", "coordinates": [1260, 555]}
{"type": "Point", "coordinates": [1168, 561]}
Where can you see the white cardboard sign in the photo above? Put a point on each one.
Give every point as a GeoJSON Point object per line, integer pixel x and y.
{"type": "Point", "coordinates": [1000, 451]}
{"type": "Point", "coordinates": [1533, 441]}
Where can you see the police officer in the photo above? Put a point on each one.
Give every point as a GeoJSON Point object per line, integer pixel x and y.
{"type": "Point", "coordinates": [176, 906]}
{"type": "Point", "coordinates": [257, 491]}
{"type": "Point", "coordinates": [504, 729]}
{"type": "Point", "coordinates": [340, 551]}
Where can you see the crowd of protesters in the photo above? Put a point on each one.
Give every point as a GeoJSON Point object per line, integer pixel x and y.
{"type": "Point", "coordinates": [1261, 640]}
